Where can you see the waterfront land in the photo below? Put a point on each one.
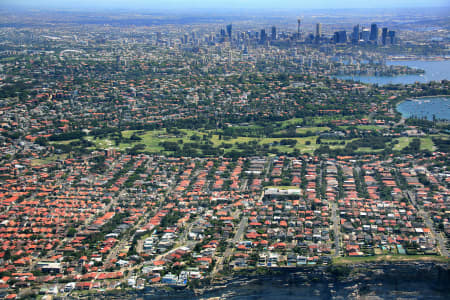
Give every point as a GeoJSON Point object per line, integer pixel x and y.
{"type": "Point", "coordinates": [182, 159]}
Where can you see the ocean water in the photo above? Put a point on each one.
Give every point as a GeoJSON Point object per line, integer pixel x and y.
{"type": "Point", "coordinates": [276, 289]}
{"type": "Point", "coordinates": [412, 280]}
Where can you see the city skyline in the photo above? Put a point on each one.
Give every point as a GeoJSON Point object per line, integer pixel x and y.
{"type": "Point", "coordinates": [165, 150]}
{"type": "Point", "coordinates": [217, 4]}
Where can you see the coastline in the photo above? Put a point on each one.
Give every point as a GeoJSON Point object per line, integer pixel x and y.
{"type": "Point", "coordinates": [385, 279]}
{"type": "Point", "coordinates": [422, 97]}
{"type": "Point", "coordinates": [425, 97]}
{"type": "Point", "coordinates": [339, 280]}
{"type": "Point", "coordinates": [418, 58]}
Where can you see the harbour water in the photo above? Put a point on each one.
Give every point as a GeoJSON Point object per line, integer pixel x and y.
{"type": "Point", "coordinates": [437, 107]}
{"type": "Point", "coordinates": [434, 71]}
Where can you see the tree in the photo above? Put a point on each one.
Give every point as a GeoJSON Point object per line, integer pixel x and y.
{"type": "Point", "coordinates": [71, 232]}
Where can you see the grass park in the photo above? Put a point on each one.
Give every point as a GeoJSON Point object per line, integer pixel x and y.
{"type": "Point", "coordinates": [388, 258]}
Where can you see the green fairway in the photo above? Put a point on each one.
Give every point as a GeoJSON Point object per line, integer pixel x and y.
{"type": "Point", "coordinates": [426, 143]}
{"type": "Point", "coordinates": [153, 139]}
{"type": "Point", "coordinates": [402, 143]}
{"type": "Point", "coordinates": [301, 143]}
{"type": "Point", "coordinates": [64, 142]}
{"type": "Point", "coordinates": [368, 149]}
{"type": "Point", "coordinates": [294, 121]}
{"type": "Point", "coordinates": [364, 127]}
{"type": "Point", "coordinates": [314, 129]}
{"type": "Point", "coordinates": [313, 121]}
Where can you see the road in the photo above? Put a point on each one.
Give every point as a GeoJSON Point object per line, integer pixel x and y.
{"type": "Point", "coordinates": [244, 185]}
{"type": "Point", "coordinates": [401, 121]}
{"type": "Point", "coordinates": [268, 166]}
{"type": "Point", "coordinates": [337, 237]}
{"type": "Point", "coordinates": [240, 231]}
{"type": "Point", "coordinates": [241, 227]}
{"type": "Point", "coordinates": [441, 241]}
{"type": "Point", "coordinates": [334, 215]}
{"type": "Point", "coordinates": [230, 249]}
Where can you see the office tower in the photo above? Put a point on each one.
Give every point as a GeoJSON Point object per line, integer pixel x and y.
{"type": "Point", "coordinates": [318, 32]}
{"type": "Point", "coordinates": [309, 38]}
{"type": "Point", "coordinates": [263, 36]}
{"type": "Point", "coordinates": [158, 36]}
{"type": "Point", "coordinates": [365, 34]}
{"type": "Point", "coordinates": [374, 32]}
{"type": "Point", "coordinates": [340, 37]}
{"type": "Point", "coordinates": [355, 34]}
{"type": "Point", "coordinates": [274, 33]}
{"type": "Point", "coordinates": [391, 36]}
{"type": "Point", "coordinates": [299, 23]}
{"type": "Point", "coordinates": [384, 34]}
{"type": "Point", "coordinates": [229, 28]}
{"type": "Point", "coordinates": [335, 37]}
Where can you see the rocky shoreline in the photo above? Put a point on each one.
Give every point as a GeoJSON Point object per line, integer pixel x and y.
{"type": "Point", "coordinates": [382, 280]}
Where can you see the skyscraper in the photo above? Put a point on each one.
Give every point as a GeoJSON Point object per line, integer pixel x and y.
{"type": "Point", "coordinates": [299, 23]}
{"type": "Point", "coordinates": [229, 29]}
{"type": "Point", "coordinates": [365, 34]}
{"type": "Point", "coordinates": [340, 37]}
{"type": "Point", "coordinates": [263, 36]}
{"type": "Point", "coordinates": [318, 31]}
{"type": "Point", "coordinates": [274, 33]}
{"type": "Point", "coordinates": [355, 34]}
{"type": "Point", "coordinates": [392, 36]}
{"type": "Point", "coordinates": [374, 32]}
{"type": "Point", "coordinates": [384, 34]}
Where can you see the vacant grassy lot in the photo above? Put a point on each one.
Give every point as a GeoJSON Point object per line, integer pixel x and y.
{"type": "Point", "coordinates": [397, 257]}
{"type": "Point", "coordinates": [283, 187]}
{"type": "Point", "coordinates": [49, 159]}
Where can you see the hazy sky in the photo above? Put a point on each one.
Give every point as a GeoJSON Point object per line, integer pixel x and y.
{"type": "Point", "coordinates": [228, 4]}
